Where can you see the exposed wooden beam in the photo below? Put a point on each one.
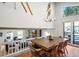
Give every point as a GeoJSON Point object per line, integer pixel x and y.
{"type": "Point", "coordinates": [23, 7]}
{"type": "Point", "coordinates": [29, 8]}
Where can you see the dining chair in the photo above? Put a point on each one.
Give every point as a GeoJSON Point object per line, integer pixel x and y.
{"type": "Point", "coordinates": [57, 51]}
{"type": "Point", "coordinates": [54, 52]}
{"type": "Point", "coordinates": [35, 50]}
{"type": "Point", "coordinates": [65, 47]}
{"type": "Point", "coordinates": [38, 51]}
{"type": "Point", "coordinates": [62, 50]}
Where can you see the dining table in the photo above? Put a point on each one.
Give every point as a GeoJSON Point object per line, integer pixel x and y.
{"type": "Point", "coordinates": [47, 44]}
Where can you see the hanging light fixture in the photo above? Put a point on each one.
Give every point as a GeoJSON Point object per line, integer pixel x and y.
{"type": "Point", "coordinates": [49, 16]}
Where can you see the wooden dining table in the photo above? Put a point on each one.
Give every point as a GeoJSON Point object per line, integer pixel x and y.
{"type": "Point", "coordinates": [47, 44]}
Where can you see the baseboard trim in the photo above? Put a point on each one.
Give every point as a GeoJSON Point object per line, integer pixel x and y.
{"type": "Point", "coordinates": [75, 45]}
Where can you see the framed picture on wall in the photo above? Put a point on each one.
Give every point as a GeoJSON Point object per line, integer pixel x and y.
{"type": "Point", "coordinates": [1, 34]}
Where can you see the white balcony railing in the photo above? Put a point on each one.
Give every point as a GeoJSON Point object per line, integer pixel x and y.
{"type": "Point", "coordinates": [13, 47]}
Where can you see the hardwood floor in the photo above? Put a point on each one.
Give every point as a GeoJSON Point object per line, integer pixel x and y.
{"type": "Point", "coordinates": [72, 52]}
{"type": "Point", "coordinates": [27, 54]}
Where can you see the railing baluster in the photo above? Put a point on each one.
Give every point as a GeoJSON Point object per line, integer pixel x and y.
{"type": "Point", "coordinates": [14, 46]}
{"type": "Point", "coordinates": [8, 49]}
{"type": "Point", "coordinates": [19, 46]}
{"type": "Point", "coordinates": [23, 44]}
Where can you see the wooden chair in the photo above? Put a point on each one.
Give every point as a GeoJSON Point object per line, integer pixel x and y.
{"type": "Point", "coordinates": [44, 53]}
{"type": "Point", "coordinates": [65, 45]}
{"type": "Point", "coordinates": [35, 51]}
{"type": "Point", "coordinates": [62, 50]}
{"type": "Point", "coordinates": [54, 52]}
{"type": "Point", "coordinates": [57, 51]}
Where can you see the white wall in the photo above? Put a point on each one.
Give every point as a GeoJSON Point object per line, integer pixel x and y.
{"type": "Point", "coordinates": [10, 17]}
{"type": "Point", "coordinates": [60, 19]}
{"type": "Point", "coordinates": [51, 31]}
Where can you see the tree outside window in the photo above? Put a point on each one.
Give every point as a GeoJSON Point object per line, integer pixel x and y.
{"type": "Point", "coordinates": [71, 10]}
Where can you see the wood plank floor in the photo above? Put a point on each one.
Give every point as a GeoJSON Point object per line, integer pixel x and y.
{"type": "Point", "coordinates": [72, 52]}
{"type": "Point", "coordinates": [27, 54]}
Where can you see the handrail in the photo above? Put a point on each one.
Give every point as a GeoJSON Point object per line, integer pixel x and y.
{"type": "Point", "coordinates": [13, 47]}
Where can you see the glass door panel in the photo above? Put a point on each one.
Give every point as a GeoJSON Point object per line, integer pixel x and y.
{"type": "Point", "coordinates": [76, 33]}
{"type": "Point", "coordinates": [67, 30]}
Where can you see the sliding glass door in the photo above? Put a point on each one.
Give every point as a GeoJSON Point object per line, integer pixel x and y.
{"type": "Point", "coordinates": [71, 31]}
{"type": "Point", "coordinates": [67, 30]}
{"type": "Point", "coordinates": [76, 32]}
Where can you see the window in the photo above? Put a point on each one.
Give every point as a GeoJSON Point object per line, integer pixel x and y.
{"type": "Point", "coordinates": [76, 32]}
{"type": "Point", "coordinates": [20, 34]}
{"type": "Point", "coordinates": [9, 36]}
{"type": "Point", "coordinates": [71, 10]}
{"type": "Point", "coordinates": [71, 31]}
{"type": "Point", "coordinates": [67, 29]}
